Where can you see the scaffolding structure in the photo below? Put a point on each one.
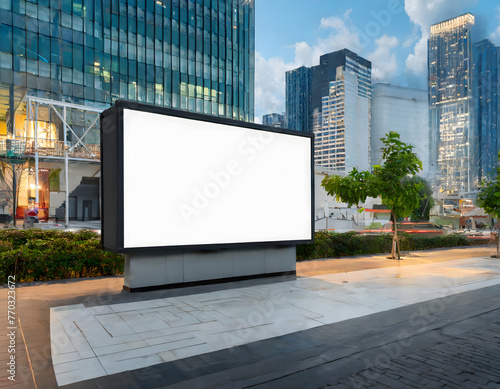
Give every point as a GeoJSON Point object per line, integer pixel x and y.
{"type": "Point", "coordinates": [77, 136]}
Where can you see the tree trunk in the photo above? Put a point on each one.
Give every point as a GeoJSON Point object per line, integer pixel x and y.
{"type": "Point", "coordinates": [498, 244]}
{"type": "Point", "coordinates": [395, 251]}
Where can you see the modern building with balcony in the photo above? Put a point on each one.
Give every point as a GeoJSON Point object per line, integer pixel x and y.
{"type": "Point", "coordinates": [341, 108]}
{"type": "Point", "coordinates": [452, 129]}
{"type": "Point", "coordinates": [62, 62]}
{"type": "Point", "coordinates": [333, 100]}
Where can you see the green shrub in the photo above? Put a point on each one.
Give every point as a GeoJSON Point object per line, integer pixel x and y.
{"type": "Point", "coordinates": [330, 244]}
{"type": "Point", "coordinates": [42, 255]}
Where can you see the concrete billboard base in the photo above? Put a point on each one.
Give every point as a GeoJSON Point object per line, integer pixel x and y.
{"type": "Point", "coordinates": [149, 271]}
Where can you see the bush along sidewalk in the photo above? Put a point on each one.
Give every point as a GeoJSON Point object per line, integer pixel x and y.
{"type": "Point", "coordinates": [43, 255]}
{"type": "Point", "coordinates": [331, 244]}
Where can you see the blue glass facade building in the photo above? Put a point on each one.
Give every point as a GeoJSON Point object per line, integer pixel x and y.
{"type": "Point", "coordinates": [195, 55]}
{"type": "Point", "coordinates": [63, 61]}
{"type": "Point", "coordinates": [485, 93]}
{"type": "Point", "coordinates": [274, 120]}
{"type": "Point", "coordinates": [452, 134]}
{"type": "Point", "coordinates": [298, 99]}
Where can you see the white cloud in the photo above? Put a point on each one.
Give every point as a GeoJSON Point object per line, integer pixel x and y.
{"type": "Point", "coordinates": [340, 32]}
{"type": "Point", "coordinates": [270, 73]}
{"type": "Point", "coordinates": [424, 13]}
{"type": "Point", "coordinates": [270, 84]}
{"type": "Point", "coordinates": [416, 62]}
{"type": "Point", "coordinates": [304, 54]}
{"type": "Point", "coordinates": [344, 35]}
{"type": "Point", "coordinates": [495, 35]}
{"type": "Point", "coordinates": [383, 59]}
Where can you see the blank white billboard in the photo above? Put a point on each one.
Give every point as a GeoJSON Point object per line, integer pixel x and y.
{"type": "Point", "coordinates": [189, 182]}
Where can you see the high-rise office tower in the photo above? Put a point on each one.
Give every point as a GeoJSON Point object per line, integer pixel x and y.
{"type": "Point", "coordinates": [336, 95]}
{"type": "Point", "coordinates": [341, 109]}
{"type": "Point", "coordinates": [274, 120]}
{"type": "Point", "coordinates": [452, 138]}
{"type": "Point", "coordinates": [187, 54]}
{"type": "Point", "coordinates": [63, 61]}
{"type": "Point", "coordinates": [298, 99]}
{"type": "Point", "coordinates": [486, 105]}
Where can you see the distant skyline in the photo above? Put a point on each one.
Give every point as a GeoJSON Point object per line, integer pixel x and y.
{"type": "Point", "coordinates": [392, 34]}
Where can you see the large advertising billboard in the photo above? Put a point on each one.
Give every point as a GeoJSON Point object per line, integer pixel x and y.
{"type": "Point", "coordinates": [177, 180]}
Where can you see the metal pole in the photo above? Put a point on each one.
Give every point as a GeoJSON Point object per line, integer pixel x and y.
{"type": "Point", "coordinates": [12, 127]}
{"type": "Point", "coordinates": [66, 169]}
{"type": "Point", "coordinates": [468, 154]}
{"type": "Point", "coordinates": [66, 179]}
{"type": "Point", "coordinates": [14, 193]}
{"type": "Point", "coordinates": [12, 131]}
{"type": "Point", "coordinates": [37, 199]}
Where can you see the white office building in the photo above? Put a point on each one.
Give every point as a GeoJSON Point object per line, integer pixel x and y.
{"type": "Point", "coordinates": [342, 128]}
{"type": "Point", "coordinates": [406, 111]}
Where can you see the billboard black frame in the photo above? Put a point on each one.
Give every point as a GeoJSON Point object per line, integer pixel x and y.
{"type": "Point", "coordinates": [112, 178]}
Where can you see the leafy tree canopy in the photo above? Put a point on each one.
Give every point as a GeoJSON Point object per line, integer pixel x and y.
{"type": "Point", "coordinates": [388, 180]}
{"type": "Point", "coordinates": [489, 195]}
{"type": "Point", "coordinates": [426, 201]}
{"type": "Point", "coordinates": [352, 189]}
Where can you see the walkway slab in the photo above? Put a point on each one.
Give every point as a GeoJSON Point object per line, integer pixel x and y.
{"type": "Point", "coordinates": [109, 339]}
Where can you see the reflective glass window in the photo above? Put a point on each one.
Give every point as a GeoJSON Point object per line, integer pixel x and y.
{"type": "Point", "coordinates": [6, 41]}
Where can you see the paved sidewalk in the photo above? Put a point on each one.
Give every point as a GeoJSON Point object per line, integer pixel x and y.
{"type": "Point", "coordinates": [465, 354]}
{"type": "Point", "coordinates": [368, 351]}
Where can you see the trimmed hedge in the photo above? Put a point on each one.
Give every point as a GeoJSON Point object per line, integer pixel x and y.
{"type": "Point", "coordinates": [43, 255]}
{"type": "Point", "coordinates": [331, 244]}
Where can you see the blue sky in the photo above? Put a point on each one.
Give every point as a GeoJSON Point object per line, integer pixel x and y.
{"type": "Point", "coordinates": [392, 34]}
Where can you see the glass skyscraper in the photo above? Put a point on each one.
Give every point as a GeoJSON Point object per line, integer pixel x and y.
{"type": "Point", "coordinates": [64, 61]}
{"type": "Point", "coordinates": [298, 99]}
{"type": "Point", "coordinates": [452, 137]}
{"type": "Point", "coordinates": [196, 55]}
{"type": "Point", "coordinates": [274, 120]}
{"type": "Point", "coordinates": [485, 93]}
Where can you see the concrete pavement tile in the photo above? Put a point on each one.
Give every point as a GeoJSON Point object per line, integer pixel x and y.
{"type": "Point", "coordinates": [68, 357]}
{"type": "Point", "coordinates": [114, 324]}
{"type": "Point", "coordinates": [120, 347]}
{"type": "Point", "coordinates": [190, 351]}
{"type": "Point", "coordinates": [70, 372]}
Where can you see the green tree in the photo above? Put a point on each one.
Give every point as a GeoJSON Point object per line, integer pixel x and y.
{"type": "Point", "coordinates": [488, 197]}
{"type": "Point", "coordinates": [426, 201]}
{"type": "Point", "coordinates": [388, 180]}
{"type": "Point", "coordinates": [489, 194]}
